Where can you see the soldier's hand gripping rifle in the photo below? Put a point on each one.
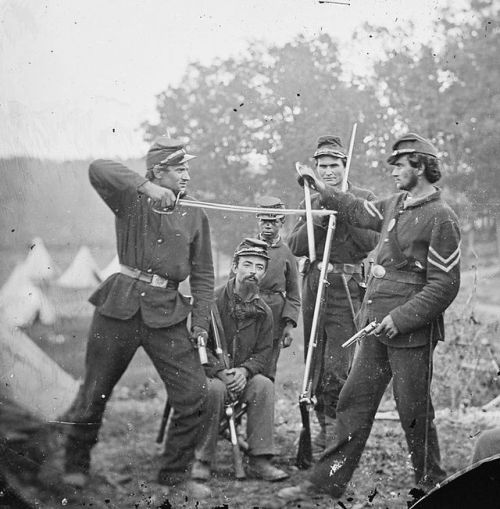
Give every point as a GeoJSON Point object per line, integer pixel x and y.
{"type": "Point", "coordinates": [229, 405]}
{"type": "Point", "coordinates": [304, 453]}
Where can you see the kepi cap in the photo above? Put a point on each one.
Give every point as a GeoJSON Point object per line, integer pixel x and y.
{"type": "Point", "coordinates": [270, 202]}
{"type": "Point", "coordinates": [330, 145]}
{"type": "Point", "coordinates": [252, 247]}
{"type": "Point", "coordinates": [411, 143]}
{"type": "Point", "coordinates": [167, 151]}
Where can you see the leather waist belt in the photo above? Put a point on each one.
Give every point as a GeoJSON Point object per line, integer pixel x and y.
{"type": "Point", "coordinates": [151, 279]}
{"type": "Point", "coordinates": [399, 276]}
{"type": "Point", "coordinates": [342, 268]}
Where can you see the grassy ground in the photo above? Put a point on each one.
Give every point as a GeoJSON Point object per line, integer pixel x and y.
{"type": "Point", "coordinates": [126, 460]}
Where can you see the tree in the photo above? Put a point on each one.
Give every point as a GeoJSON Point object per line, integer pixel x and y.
{"type": "Point", "coordinates": [448, 91]}
{"type": "Point", "coordinates": [250, 118]}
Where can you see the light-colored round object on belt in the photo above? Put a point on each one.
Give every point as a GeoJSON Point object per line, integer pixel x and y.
{"type": "Point", "coordinates": [378, 271]}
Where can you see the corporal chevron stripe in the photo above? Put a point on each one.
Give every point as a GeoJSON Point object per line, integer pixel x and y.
{"type": "Point", "coordinates": [372, 210]}
{"type": "Point", "coordinates": [445, 264]}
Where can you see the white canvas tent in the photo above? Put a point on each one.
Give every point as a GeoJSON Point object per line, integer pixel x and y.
{"type": "Point", "coordinates": [111, 268]}
{"type": "Point", "coordinates": [21, 302]}
{"type": "Point", "coordinates": [31, 379]}
{"type": "Point", "coordinates": [38, 265]}
{"type": "Point", "coordinates": [83, 271]}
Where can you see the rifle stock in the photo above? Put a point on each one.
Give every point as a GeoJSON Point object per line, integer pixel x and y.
{"type": "Point", "coordinates": [304, 452]}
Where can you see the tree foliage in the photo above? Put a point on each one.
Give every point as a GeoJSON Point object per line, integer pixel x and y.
{"type": "Point", "coordinates": [251, 117]}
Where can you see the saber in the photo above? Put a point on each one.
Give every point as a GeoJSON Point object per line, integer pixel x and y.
{"type": "Point", "coordinates": [238, 208]}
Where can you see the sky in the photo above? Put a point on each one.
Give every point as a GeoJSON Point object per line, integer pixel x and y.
{"type": "Point", "coordinates": [79, 77]}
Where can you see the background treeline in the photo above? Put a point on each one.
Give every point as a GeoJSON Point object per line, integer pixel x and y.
{"type": "Point", "coordinates": [252, 116]}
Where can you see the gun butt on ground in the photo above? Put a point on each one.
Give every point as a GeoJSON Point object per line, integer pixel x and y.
{"type": "Point", "coordinates": [304, 453]}
{"type": "Point", "coordinates": [365, 331]}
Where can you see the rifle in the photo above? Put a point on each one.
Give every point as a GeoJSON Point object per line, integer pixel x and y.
{"type": "Point", "coordinates": [239, 471]}
{"type": "Point", "coordinates": [304, 453]}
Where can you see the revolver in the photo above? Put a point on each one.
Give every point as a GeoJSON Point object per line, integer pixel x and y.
{"type": "Point", "coordinates": [365, 331]}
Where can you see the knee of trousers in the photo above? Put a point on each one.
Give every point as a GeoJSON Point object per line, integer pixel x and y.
{"type": "Point", "coordinates": [216, 393]}
{"type": "Point", "coordinates": [259, 388]}
{"type": "Point", "coordinates": [192, 398]}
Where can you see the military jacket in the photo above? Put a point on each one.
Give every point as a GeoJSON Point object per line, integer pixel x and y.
{"type": "Point", "coordinates": [174, 246]}
{"type": "Point", "coordinates": [350, 243]}
{"type": "Point", "coordinates": [420, 249]}
{"type": "Point", "coordinates": [248, 342]}
{"type": "Point", "coordinates": [280, 286]}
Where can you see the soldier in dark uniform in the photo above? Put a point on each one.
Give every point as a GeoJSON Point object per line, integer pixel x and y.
{"type": "Point", "coordinates": [141, 306]}
{"type": "Point", "coordinates": [416, 277]}
{"type": "Point", "coordinates": [350, 246]}
{"type": "Point", "coordinates": [247, 329]}
{"type": "Point", "coordinates": [279, 287]}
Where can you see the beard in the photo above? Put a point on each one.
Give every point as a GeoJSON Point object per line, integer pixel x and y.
{"type": "Point", "coordinates": [250, 285]}
{"type": "Point", "coordinates": [411, 184]}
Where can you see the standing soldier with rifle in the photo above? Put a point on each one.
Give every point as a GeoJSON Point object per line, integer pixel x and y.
{"type": "Point", "coordinates": [245, 327]}
{"type": "Point", "coordinates": [350, 245]}
{"type": "Point", "coordinates": [416, 277]}
{"type": "Point", "coordinates": [141, 306]}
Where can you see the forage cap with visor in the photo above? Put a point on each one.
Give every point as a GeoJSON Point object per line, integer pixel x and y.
{"type": "Point", "coordinates": [330, 145]}
{"type": "Point", "coordinates": [270, 202]}
{"type": "Point", "coordinates": [167, 151]}
{"type": "Point", "coordinates": [251, 247]}
{"type": "Point", "coordinates": [411, 143]}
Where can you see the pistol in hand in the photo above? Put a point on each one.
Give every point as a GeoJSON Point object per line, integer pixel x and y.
{"type": "Point", "coordinates": [365, 331]}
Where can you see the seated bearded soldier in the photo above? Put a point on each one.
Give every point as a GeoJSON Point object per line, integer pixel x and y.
{"type": "Point", "coordinates": [245, 326]}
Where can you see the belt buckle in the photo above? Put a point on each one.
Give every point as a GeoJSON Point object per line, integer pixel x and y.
{"type": "Point", "coordinates": [158, 281]}
{"type": "Point", "coordinates": [378, 271]}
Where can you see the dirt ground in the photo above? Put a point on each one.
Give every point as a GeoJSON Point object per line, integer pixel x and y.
{"type": "Point", "coordinates": [126, 460]}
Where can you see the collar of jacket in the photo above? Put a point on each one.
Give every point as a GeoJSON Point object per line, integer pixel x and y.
{"type": "Point", "coordinates": [425, 199]}
{"type": "Point", "coordinates": [276, 243]}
